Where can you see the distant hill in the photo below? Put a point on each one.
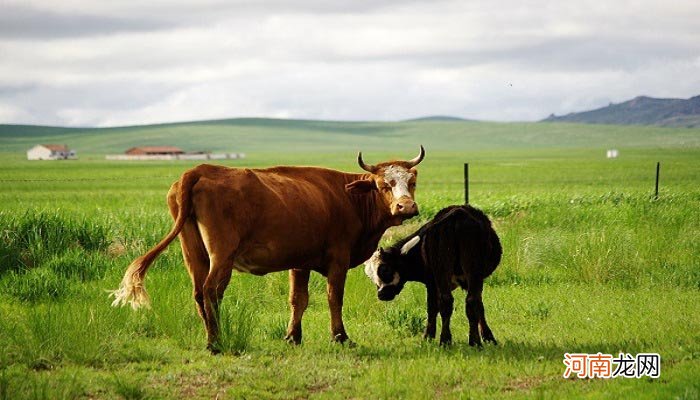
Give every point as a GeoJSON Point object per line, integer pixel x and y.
{"type": "Point", "coordinates": [260, 135]}
{"type": "Point", "coordinates": [438, 118]}
{"type": "Point", "coordinates": [641, 110]}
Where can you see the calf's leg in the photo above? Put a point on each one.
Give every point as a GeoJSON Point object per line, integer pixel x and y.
{"type": "Point", "coordinates": [486, 333]}
{"type": "Point", "coordinates": [298, 301]}
{"type": "Point", "coordinates": [446, 306]}
{"type": "Point", "coordinates": [472, 310]}
{"type": "Point", "coordinates": [432, 312]}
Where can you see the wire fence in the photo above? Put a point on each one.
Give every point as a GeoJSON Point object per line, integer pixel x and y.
{"type": "Point", "coordinates": [173, 178]}
{"type": "Point", "coordinates": [111, 179]}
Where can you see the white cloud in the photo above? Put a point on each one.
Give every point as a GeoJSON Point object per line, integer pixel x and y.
{"type": "Point", "coordinates": [143, 62]}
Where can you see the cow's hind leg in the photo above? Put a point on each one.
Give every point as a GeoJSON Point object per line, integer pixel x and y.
{"type": "Point", "coordinates": [475, 286]}
{"type": "Point", "coordinates": [193, 252]}
{"type": "Point", "coordinates": [445, 304]}
{"type": "Point", "coordinates": [197, 260]}
{"type": "Point", "coordinates": [486, 333]}
{"type": "Point", "coordinates": [221, 240]}
{"type": "Point", "coordinates": [298, 301]}
{"type": "Point", "coordinates": [446, 301]}
{"type": "Point", "coordinates": [221, 257]}
{"type": "Point", "coordinates": [214, 287]}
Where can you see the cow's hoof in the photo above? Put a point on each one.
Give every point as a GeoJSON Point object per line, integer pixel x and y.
{"type": "Point", "coordinates": [491, 340]}
{"type": "Point", "coordinates": [213, 349]}
{"type": "Point", "coordinates": [445, 341]}
{"type": "Point", "coordinates": [341, 338]}
{"type": "Point", "coordinates": [293, 339]}
{"type": "Point", "coordinates": [477, 344]}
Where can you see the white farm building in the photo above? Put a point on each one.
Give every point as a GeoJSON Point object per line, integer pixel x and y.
{"type": "Point", "coordinates": [51, 152]}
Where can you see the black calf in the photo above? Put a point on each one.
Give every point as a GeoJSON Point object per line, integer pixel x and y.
{"type": "Point", "coordinates": [457, 248]}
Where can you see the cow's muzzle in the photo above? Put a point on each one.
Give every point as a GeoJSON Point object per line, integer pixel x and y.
{"type": "Point", "coordinates": [388, 292]}
{"type": "Point", "coordinates": [405, 206]}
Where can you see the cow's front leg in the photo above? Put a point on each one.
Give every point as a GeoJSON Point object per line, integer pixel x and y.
{"type": "Point", "coordinates": [298, 301]}
{"type": "Point", "coordinates": [432, 312]}
{"type": "Point", "coordinates": [336, 289]}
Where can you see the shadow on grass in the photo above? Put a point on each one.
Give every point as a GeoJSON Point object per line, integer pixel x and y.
{"type": "Point", "coordinates": [505, 350]}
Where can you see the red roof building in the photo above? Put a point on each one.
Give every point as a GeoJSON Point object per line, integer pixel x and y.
{"type": "Point", "coordinates": [154, 150]}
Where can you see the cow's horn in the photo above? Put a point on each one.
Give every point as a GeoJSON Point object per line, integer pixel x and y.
{"type": "Point", "coordinates": [409, 245]}
{"type": "Point", "coordinates": [368, 168]}
{"type": "Point", "coordinates": [419, 158]}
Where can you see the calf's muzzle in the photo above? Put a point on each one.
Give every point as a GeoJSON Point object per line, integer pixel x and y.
{"type": "Point", "coordinates": [388, 292]}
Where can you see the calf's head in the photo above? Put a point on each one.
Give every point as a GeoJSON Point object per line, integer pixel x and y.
{"type": "Point", "coordinates": [395, 181]}
{"type": "Point", "coordinates": [385, 269]}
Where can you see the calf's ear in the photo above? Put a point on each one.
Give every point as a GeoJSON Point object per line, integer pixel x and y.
{"type": "Point", "coordinates": [360, 187]}
{"type": "Point", "coordinates": [409, 245]}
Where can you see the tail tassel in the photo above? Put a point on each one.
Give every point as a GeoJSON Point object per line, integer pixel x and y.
{"type": "Point", "coordinates": [131, 291]}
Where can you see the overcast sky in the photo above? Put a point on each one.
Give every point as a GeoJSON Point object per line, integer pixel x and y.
{"type": "Point", "coordinates": [108, 63]}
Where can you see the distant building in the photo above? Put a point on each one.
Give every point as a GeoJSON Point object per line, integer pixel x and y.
{"type": "Point", "coordinates": [51, 152]}
{"type": "Point", "coordinates": [154, 151]}
{"type": "Point", "coordinates": [164, 153]}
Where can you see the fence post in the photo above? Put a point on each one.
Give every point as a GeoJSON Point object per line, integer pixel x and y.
{"type": "Point", "coordinates": [656, 190]}
{"type": "Point", "coordinates": [466, 183]}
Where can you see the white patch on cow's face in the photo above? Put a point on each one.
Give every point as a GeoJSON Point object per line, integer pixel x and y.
{"type": "Point", "coordinates": [371, 268]}
{"type": "Point", "coordinates": [398, 178]}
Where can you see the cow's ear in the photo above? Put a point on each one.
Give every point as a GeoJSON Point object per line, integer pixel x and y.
{"type": "Point", "coordinates": [409, 245]}
{"type": "Point", "coordinates": [361, 186]}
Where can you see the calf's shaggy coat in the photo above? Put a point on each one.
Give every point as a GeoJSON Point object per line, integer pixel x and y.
{"type": "Point", "coordinates": [457, 248]}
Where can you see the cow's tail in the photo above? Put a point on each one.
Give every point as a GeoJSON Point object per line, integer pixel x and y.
{"type": "Point", "coordinates": [132, 290]}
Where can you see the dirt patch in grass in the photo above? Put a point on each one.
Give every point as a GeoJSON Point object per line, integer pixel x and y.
{"type": "Point", "coordinates": [527, 383]}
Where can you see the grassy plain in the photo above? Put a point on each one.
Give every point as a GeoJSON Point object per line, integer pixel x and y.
{"type": "Point", "coordinates": [591, 264]}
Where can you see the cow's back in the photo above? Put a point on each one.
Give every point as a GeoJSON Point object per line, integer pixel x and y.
{"type": "Point", "coordinates": [282, 216]}
{"type": "Point", "coordinates": [490, 246]}
{"type": "Point", "coordinates": [462, 238]}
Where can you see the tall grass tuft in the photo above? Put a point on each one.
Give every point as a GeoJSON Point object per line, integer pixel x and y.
{"type": "Point", "coordinates": [30, 239]}
{"type": "Point", "coordinates": [406, 321]}
{"type": "Point", "coordinates": [237, 323]}
{"type": "Point", "coordinates": [77, 264]}
{"type": "Point", "coordinates": [129, 388]}
{"type": "Point", "coordinates": [45, 335]}
{"type": "Point", "coordinates": [14, 385]}
{"type": "Point", "coordinates": [35, 286]}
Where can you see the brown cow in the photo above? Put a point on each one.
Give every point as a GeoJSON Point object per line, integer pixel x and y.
{"type": "Point", "coordinates": [300, 219]}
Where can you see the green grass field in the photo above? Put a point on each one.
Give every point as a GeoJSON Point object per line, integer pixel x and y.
{"type": "Point", "coordinates": [592, 263]}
